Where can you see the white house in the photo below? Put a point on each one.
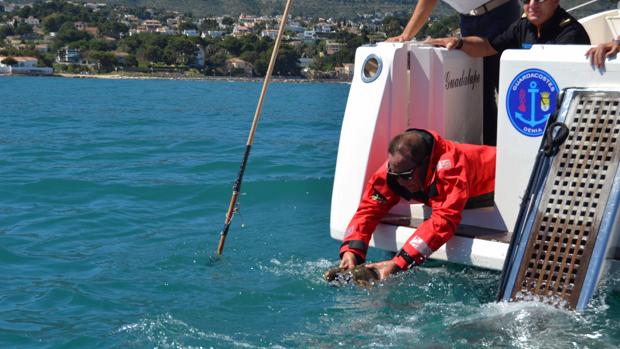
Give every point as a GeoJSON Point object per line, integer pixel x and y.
{"type": "Point", "coordinates": [269, 33]}
{"type": "Point", "coordinates": [24, 65]}
{"type": "Point", "coordinates": [310, 35]}
{"type": "Point", "coordinates": [166, 30]}
{"type": "Point", "coordinates": [190, 32]}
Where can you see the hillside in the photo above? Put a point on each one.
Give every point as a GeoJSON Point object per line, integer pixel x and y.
{"type": "Point", "coordinates": [314, 8]}
{"type": "Point", "coordinates": [339, 8]}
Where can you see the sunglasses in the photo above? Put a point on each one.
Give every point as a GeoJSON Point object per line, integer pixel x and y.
{"type": "Point", "coordinates": [527, 2]}
{"type": "Point", "coordinates": [406, 175]}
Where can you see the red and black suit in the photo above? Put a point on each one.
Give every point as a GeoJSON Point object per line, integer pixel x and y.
{"type": "Point", "coordinates": [458, 176]}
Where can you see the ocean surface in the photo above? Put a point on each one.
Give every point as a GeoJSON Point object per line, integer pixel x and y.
{"type": "Point", "coordinates": [112, 197]}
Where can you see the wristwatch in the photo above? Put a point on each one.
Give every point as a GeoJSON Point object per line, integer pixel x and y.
{"type": "Point", "coordinates": [459, 44]}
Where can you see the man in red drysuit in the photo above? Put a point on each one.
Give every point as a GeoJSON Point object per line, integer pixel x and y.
{"type": "Point", "coordinates": [421, 166]}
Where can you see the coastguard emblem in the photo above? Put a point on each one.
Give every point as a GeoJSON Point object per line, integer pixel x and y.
{"type": "Point", "coordinates": [531, 99]}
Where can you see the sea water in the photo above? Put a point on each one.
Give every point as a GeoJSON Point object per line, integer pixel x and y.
{"type": "Point", "coordinates": [112, 197]}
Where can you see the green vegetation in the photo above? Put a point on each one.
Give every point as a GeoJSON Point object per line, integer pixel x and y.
{"type": "Point", "coordinates": [95, 39]}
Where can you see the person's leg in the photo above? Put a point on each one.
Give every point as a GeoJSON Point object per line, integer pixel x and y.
{"type": "Point", "coordinates": [488, 26]}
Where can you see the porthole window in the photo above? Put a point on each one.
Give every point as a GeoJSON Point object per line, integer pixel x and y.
{"type": "Point", "coordinates": [371, 69]}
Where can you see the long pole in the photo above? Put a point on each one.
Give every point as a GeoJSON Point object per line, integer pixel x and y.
{"type": "Point", "coordinates": [248, 146]}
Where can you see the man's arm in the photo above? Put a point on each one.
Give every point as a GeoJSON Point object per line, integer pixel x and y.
{"type": "Point", "coordinates": [446, 207]}
{"type": "Point", "coordinates": [474, 46]}
{"type": "Point", "coordinates": [600, 53]}
{"type": "Point", "coordinates": [376, 202]}
{"type": "Point", "coordinates": [420, 15]}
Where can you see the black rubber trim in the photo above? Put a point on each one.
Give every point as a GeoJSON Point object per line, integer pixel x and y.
{"type": "Point", "coordinates": [406, 257]}
{"type": "Point", "coordinates": [356, 245]}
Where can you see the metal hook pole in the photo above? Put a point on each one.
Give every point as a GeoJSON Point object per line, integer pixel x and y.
{"type": "Point", "coordinates": [248, 147]}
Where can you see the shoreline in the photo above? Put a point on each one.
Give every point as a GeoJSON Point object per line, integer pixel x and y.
{"type": "Point", "coordinates": [115, 76]}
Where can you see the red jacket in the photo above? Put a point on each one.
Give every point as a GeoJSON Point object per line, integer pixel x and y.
{"type": "Point", "coordinates": [457, 174]}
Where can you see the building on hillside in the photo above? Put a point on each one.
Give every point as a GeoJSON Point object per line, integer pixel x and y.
{"type": "Point", "coordinates": [69, 56]}
{"type": "Point", "coordinates": [130, 20]}
{"type": "Point", "coordinates": [174, 22]}
{"type": "Point", "coordinates": [94, 31]}
{"type": "Point", "coordinates": [192, 33]}
{"type": "Point", "coordinates": [324, 28]}
{"type": "Point", "coordinates": [23, 65]}
{"type": "Point", "coordinates": [42, 48]}
{"type": "Point", "coordinates": [240, 30]}
{"type": "Point", "coordinates": [32, 21]}
{"type": "Point", "coordinates": [295, 27]}
{"type": "Point", "coordinates": [15, 21]}
{"type": "Point", "coordinates": [332, 47]}
{"type": "Point", "coordinates": [238, 64]}
{"type": "Point", "coordinates": [166, 30]}
{"type": "Point", "coordinates": [215, 34]}
{"type": "Point", "coordinates": [247, 20]}
{"type": "Point", "coordinates": [269, 33]}
{"type": "Point", "coordinates": [151, 25]}
{"type": "Point", "coordinates": [310, 35]}
{"type": "Point", "coordinates": [95, 6]}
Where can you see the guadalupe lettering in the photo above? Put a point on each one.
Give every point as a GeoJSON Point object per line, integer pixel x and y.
{"type": "Point", "coordinates": [469, 79]}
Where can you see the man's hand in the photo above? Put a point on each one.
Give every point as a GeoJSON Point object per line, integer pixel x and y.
{"type": "Point", "coordinates": [600, 53]}
{"type": "Point", "coordinates": [385, 269]}
{"type": "Point", "coordinates": [448, 43]}
{"type": "Point", "coordinates": [348, 260]}
{"type": "Point", "coordinates": [399, 38]}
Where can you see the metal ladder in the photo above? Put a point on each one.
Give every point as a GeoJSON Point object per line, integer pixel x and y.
{"type": "Point", "coordinates": [569, 217]}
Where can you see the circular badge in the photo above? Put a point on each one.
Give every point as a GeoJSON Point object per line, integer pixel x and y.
{"type": "Point", "coordinates": [531, 99]}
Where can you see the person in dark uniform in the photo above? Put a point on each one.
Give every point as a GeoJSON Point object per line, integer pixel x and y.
{"type": "Point", "coordinates": [543, 22]}
{"type": "Point", "coordinates": [484, 18]}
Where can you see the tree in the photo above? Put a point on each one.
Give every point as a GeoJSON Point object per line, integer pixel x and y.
{"type": "Point", "coordinates": [6, 31]}
{"type": "Point", "coordinates": [68, 34]}
{"type": "Point", "coordinates": [228, 21]}
{"type": "Point", "coordinates": [209, 24]}
{"type": "Point", "coordinates": [101, 45]}
{"type": "Point", "coordinates": [10, 61]}
{"type": "Point", "coordinates": [112, 28]}
{"type": "Point", "coordinates": [106, 60]}
{"type": "Point", "coordinates": [441, 27]}
{"type": "Point", "coordinates": [182, 48]}
{"type": "Point", "coordinates": [131, 61]}
{"type": "Point", "coordinates": [232, 45]}
{"type": "Point", "coordinates": [151, 53]}
{"type": "Point", "coordinates": [393, 26]}
{"type": "Point", "coordinates": [187, 25]}
{"type": "Point", "coordinates": [53, 22]}
{"type": "Point", "coordinates": [23, 29]}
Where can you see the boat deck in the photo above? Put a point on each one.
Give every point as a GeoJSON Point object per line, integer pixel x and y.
{"type": "Point", "coordinates": [468, 231]}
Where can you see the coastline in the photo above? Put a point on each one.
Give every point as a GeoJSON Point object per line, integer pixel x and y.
{"type": "Point", "coordinates": [117, 76]}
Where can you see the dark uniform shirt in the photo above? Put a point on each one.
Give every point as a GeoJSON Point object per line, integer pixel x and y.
{"type": "Point", "coordinates": [561, 28]}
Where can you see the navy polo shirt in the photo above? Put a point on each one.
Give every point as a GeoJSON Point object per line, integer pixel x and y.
{"type": "Point", "coordinates": [561, 28]}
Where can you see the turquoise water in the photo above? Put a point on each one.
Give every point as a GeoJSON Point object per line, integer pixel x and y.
{"type": "Point", "coordinates": [112, 197]}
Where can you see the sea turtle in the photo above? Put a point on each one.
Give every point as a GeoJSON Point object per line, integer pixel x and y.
{"type": "Point", "coordinates": [360, 275]}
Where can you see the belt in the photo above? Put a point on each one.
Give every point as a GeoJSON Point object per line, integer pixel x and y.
{"type": "Point", "coordinates": [488, 7]}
